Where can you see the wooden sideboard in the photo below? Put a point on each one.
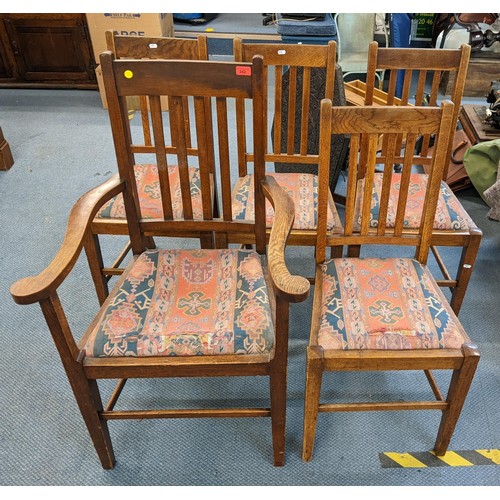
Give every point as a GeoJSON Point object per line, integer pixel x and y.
{"type": "Point", "coordinates": [46, 51]}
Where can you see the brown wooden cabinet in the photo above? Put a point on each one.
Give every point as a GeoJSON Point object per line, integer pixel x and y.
{"type": "Point", "coordinates": [46, 50]}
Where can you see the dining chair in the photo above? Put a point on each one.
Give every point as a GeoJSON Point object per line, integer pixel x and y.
{"type": "Point", "coordinates": [422, 71]}
{"type": "Point", "coordinates": [381, 313]}
{"type": "Point", "coordinates": [298, 76]}
{"type": "Point", "coordinates": [111, 219]}
{"type": "Point", "coordinates": [177, 311]}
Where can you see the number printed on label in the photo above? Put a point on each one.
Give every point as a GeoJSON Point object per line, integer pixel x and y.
{"type": "Point", "coordinates": [243, 70]}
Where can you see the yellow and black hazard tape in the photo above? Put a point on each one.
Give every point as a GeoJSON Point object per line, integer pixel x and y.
{"type": "Point", "coordinates": [463, 458]}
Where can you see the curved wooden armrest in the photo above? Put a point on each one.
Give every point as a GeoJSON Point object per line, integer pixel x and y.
{"type": "Point", "coordinates": [35, 288]}
{"type": "Point", "coordinates": [292, 287]}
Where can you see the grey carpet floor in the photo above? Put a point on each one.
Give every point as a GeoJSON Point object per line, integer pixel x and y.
{"type": "Point", "coordinates": [62, 147]}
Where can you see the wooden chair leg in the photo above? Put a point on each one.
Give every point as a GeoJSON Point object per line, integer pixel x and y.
{"type": "Point", "coordinates": [149, 242]}
{"type": "Point", "coordinates": [353, 251]}
{"type": "Point", "coordinates": [94, 258]}
{"type": "Point", "coordinates": [86, 391]}
{"type": "Point", "coordinates": [459, 387]}
{"type": "Point", "coordinates": [314, 371]}
{"type": "Point", "coordinates": [220, 240]}
{"type": "Point", "coordinates": [467, 260]}
{"type": "Point", "coordinates": [206, 240]}
{"type": "Point", "coordinates": [336, 252]}
{"type": "Point", "coordinates": [278, 383]}
{"type": "Point", "coordinates": [89, 401]}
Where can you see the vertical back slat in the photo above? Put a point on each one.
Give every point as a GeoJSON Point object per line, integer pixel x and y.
{"type": "Point", "coordinates": [405, 96]}
{"type": "Point", "coordinates": [278, 111]}
{"type": "Point", "coordinates": [352, 184]}
{"type": "Point", "coordinates": [225, 170]}
{"type": "Point", "coordinates": [404, 184]}
{"type": "Point", "coordinates": [177, 111]}
{"type": "Point", "coordinates": [419, 96]}
{"type": "Point", "coordinates": [304, 125]}
{"type": "Point", "coordinates": [291, 110]}
{"type": "Point", "coordinates": [391, 90]}
{"type": "Point", "coordinates": [203, 137]}
{"type": "Point", "coordinates": [146, 127]}
{"type": "Point", "coordinates": [386, 184]}
{"type": "Point", "coordinates": [161, 159]}
{"type": "Point", "coordinates": [368, 179]}
{"type": "Point", "coordinates": [187, 121]}
{"type": "Point", "coordinates": [241, 137]}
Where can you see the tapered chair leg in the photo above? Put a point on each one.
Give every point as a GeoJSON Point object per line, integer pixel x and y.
{"type": "Point", "coordinates": [86, 391]}
{"type": "Point", "coordinates": [459, 387]}
{"type": "Point", "coordinates": [278, 384]}
{"type": "Point", "coordinates": [312, 393]}
{"type": "Point", "coordinates": [467, 260]}
{"type": "Point", "coordinates": [90, 405]}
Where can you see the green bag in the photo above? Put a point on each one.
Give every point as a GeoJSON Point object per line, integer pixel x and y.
{"type": "Point", "coordinates": [481, 164]}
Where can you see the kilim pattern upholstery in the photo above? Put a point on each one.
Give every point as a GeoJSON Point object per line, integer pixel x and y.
{"type": "Point", "coordinates": [450, 214]}
{"type": "Point", "coordinates": [301, 187]}
{"type": "Point", "coordinates": [393, 304]}
{"type": "Point", "coordinates": [187, 303]}
{"type": "Point", "coordinates": [148, 188]}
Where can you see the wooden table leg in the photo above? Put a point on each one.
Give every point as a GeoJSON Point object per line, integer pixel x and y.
{"type": "Point", "coordinates": [6, 160]}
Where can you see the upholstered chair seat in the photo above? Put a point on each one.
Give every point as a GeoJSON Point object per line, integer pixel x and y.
{"type": "Point", "coordinates": [148, 189]}
{"type": "Point", "coordinates": [450, 214]}
{"type": "Point", "coordinates": [187, 303]}
{"type": "Point", "coordinates": [385, 304]}
{"type": "Point", "coordinates": [301, 187]}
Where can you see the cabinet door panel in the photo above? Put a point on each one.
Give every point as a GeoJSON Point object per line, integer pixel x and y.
{"type": "Point", "coordinates": [50, 49]}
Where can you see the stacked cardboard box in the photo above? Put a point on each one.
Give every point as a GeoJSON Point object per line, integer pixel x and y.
{"type": "Point", "coordinates": [154, 25]}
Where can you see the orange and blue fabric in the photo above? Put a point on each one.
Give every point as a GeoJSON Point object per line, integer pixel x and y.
{"type": "Point", "coordinates": [450, 215]}
{"type": "Point", "coordinates": [301, 187]}
{"type": "Point", "coordinates": [148, 189]}
{"type": "Point", "coordinates": [187, 303]}
{"type": "Point", "coordinates": [385, 304]}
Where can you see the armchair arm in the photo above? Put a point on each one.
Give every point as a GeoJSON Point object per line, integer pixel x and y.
{"type": "Point", "coordinates": [35, 288]}
{"type": "Point", "coordinates": [292, 287]}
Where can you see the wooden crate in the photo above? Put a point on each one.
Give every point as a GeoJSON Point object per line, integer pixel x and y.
{"type": "Point", "coordinates": [482, 71]}
{"type": "Point", "coordinates": [355, 92]}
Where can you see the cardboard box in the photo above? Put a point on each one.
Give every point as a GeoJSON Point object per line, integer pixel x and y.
{"type": "Point", "coordinates": [132, 101]}
{"type": "Point", "coordinates": [126, 24]}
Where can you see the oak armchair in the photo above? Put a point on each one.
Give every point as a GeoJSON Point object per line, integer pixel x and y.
{"type": "Point", "coordinates": [178, 312]}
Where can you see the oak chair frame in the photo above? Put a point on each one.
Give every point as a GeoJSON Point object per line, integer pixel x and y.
{"type": "Point", "coordinates": [280, 56]}
{"type": "Point", "coordinates": [139, 47]}
{"type": "Point", "coordinates": [201, 80]}
{"type": "Point", "coordinates": [436, 62]}
{"type": "Point", "coordinates": [369, 122]}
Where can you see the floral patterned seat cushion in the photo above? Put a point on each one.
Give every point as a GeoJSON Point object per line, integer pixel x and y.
{"type": "Point", "coordinates": [187, 303]}
{"type": "Point", "coordinates": [450, 214]}
{"type": "Point", "coordinates": [384, 304]}
{"type": "Point", "coordinates": [303, 188]}
{"type": "Point", "coordinates": [148, 188]}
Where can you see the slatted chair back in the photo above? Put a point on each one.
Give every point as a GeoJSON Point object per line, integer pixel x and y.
{"type": "Point", "coordinates": [365, 125]}
{"type": "Point", "coordinates": [173, 144]}
{"type": "Point", "coordinates": [300, 61]}
{"type": "Point", "coordinates": [140, 47]}
{"type": "Point", "coordinates": [428, 68]}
